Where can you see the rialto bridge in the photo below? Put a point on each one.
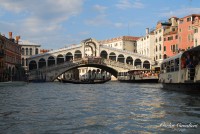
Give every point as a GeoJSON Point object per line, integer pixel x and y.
{"type": "Point", "coordinates": [50, 65]}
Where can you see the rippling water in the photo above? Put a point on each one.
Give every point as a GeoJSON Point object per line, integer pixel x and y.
{"type": "Point", "coordinates": [112, 108]}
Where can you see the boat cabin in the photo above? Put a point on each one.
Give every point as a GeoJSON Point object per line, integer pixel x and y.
{"type": "Point", "coordinates": [181, 68]}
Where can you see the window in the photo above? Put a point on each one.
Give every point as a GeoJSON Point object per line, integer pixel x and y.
{"type": "Point", "coordinates": [196, 30]}
{"type": "Point", "coordinates": [160, 57]}
{"type": "Point", "coordinates": [30, 51]}
{"type": "Point", "coordinates": [189, 19]}
{"type": "Point", "coordinates": [160, 47]}
{"type": "Point", "coordinates": [180, 30]}
{"type": "Point", "coordinates": [176, 37]}
{"type": "Point", "coordinates": [160, 38]}
{"type": "Point", "coordinates": [172, 66]}
{"type": "Point", "coordinates": [36, 51]}
{"type": "Point", "coordinates": [177, 64]}
{"type": "Point", "coordinates": [170, 38]}
{"type": "Point", "coordinates": [164, 48]}
{"type": "Point", "coordinates": [26, 51]}
{"type": "Point", "coordinates": [22, 51]}
{"type": "Point", "coordinates": [164, 39]}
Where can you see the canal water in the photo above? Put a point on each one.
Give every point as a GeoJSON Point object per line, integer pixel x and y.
{"type": "Point", "coordinates": [110, 108]}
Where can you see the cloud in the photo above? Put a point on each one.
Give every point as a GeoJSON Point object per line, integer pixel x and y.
{"type": "Point", "coordinates": [98, 20]}
{"type": "Point", "coordinates": [100, 8]}
{"type": "Point", "coordinates": [38, 18]}
{"type": "Point", "coordinates": [125, 4]}
{"type": "Point", "coordinates": [180, 12]}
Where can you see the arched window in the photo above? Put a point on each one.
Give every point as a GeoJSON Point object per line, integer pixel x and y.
{"type": "Point", "coordinates": [26, 51]}
{"type": "Point", "coordinates": [36, 51]}
{"type": "Point", "coordinates": [22, 51]}
{"type": "Point", "coordinates": [31, 51]}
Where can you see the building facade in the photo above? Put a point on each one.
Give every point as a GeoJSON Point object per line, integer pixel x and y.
{"type": "Point", "coordinates": [128, 43]}
{"type": "Point", "coordinates": [27, 50]}
{"type": "Point", "coordinates": [196, 28]}
{"type": "Point", "coordinates": [10, 59]}
{"type": "Point", "coordinates": [170, 36]}
{"type": "Point", "coordinates": [158, 45]}
{"type": "Point", "coordinates": [186, 31]}
{"type": "Point", "coordinates": [145, 44]}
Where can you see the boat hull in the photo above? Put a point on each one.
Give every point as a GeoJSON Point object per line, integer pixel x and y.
{"type": "Point", "coordinates": [182, 86]}
{"type": "Point", "coordinates": [84, 82]}
{"type": "Point", "coordinates": [140, 81]}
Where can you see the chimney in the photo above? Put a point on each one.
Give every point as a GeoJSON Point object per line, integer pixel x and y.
{"type": "Point", "coordinates": [147, 31]}
{"type": "Point", "coordinates": [17, 39]}
{"type": "Point", "coordinates": [10, 35]}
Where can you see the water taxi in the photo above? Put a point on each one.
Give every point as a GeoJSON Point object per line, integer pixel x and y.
{"type": "Point", "coordinates": [139, 76]}
{"type": "Point", "coordinates": [182, 71]}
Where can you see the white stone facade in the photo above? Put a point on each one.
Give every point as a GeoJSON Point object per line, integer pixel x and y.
{"type": "Point", "coordinates": [128, 43]}
{"type": "Point", "coordinates": [28, 49]}
{"type": "Point", "coordinates": [145, 45]}
{"type": "Point", "coordinates": [158, 46]}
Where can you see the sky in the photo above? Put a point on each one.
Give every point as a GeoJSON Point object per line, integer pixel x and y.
{"type": "Point", "coordinates": [56, 24]}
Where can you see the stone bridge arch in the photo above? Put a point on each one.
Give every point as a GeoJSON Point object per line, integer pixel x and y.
{"type": "Point", "coordinates": [106, 68]}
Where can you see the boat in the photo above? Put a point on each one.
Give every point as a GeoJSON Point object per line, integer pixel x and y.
{"type": "Point", "coordinates": [182, 71]}
{"type": "Point", "coordinates": [139, 76]}
{"type": "Point", "coordinates": [84, 81]}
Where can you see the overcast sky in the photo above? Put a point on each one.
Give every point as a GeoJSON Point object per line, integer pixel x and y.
{"type": "Point", "coordinates": [58, 23]}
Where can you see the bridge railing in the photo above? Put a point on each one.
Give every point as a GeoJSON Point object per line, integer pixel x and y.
{"type": "Point", "coordinates": [118, 64]}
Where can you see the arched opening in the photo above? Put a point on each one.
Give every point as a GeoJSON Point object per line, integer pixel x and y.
{"type": "Point", "coordinates": [138, 63]}
{"type": "Point", "coordinates": [121, 58]}
{"type": "Point", "coordinates": [77, 54]}
{"type": "Point", "coordinates": [42, 63]}
{"type": "Point", "coordinates": [112, 56]}
{"type": "Point", "coordinates": [60, 59]}
{"type": "Point", "coordinates": [129, 60]}
{"type": "Point", "coordinates": [69, 56]}
{"type": "Point", "coordinates": [32, 65]}
{"type": "Point", "coordinates": [51, 61]}
{"type": "Point", "coordinates": [104, 54]}
{"type": "Point", "coordinates": [146, 64]}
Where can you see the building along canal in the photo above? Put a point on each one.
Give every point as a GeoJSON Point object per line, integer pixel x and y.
{"type": "Point", "coordinates": [110, 108]}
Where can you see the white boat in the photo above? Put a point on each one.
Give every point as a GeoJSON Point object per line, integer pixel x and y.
{"type": "Point", "coordinates": [182, 71]}
{"type": "Point", "coordinates": [139, 76]}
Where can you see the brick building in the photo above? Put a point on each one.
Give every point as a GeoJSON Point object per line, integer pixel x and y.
{"type": "Point", "coordinates": [10, 59]}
